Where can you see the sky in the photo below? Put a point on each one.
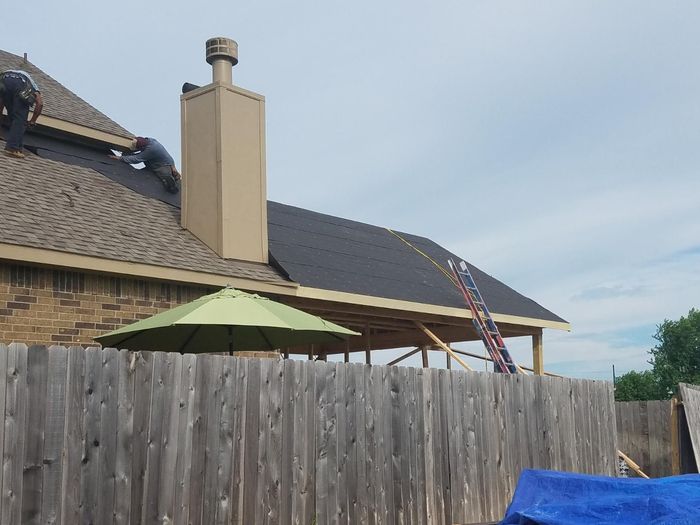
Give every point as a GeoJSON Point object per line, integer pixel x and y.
{"type": "Point", "coordinates": [553, 144]}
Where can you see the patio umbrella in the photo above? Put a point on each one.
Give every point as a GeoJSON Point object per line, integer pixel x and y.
{"type": "Point", "coordinates": [226, 321]}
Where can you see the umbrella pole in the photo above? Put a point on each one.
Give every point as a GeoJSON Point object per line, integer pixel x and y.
{"type": "Point", "coordinates": [230, 340]}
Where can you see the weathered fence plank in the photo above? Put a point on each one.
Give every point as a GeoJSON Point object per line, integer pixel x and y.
{"type": "Point", "coordinates": [74, 432]}
{"type": "Point", "coordinates": [37, 359]}
{"type": "Point", "coordinates": [162, 376]}
{"type": "Point", "coordinates": [288, 459]}
{"type": "Point", "coordinates": [108, 435]}
{"type": "Point", "coordinates": [170, 441]}
{"type": "Point", "coordinates": [90, 470]}
{"type": "Point", "coordinates": [143, 382]}
{"type": "Point", "coordinates": [15, 419]}
{"type": "Point", "coordinates": [126, 363]}
{"type": "Point", "coordinates": [225, 450]}
{"type": "Point", "coordinates": [57, 366]}
{"type": "Point", "coordinates": [3, 392]}
{"type": "Point", "coordinates": [186, 421]}
{"type": "Point", "coordinates": [239, 434]}
{"type": "Point", "coordinates": [211, 447]}
{"type": "Point", "coordinates": [252, 429]}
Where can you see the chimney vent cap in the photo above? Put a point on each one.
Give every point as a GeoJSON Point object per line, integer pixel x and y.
{"type": "Point", "coordinates": [219, 48]}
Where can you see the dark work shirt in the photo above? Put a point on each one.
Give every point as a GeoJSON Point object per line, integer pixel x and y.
{"type": "Point", "coordinates": [154, 156]}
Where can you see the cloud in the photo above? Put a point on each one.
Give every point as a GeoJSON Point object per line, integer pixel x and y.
{"type": "Point", "coordinates": [606, 292]}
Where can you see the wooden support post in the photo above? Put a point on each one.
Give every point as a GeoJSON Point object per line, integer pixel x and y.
{"type": "Point", "coordinates": [675, 443]}
{"type": "Point", "coordinates": [311, 352]}
{"type": "Point", "coordinates": [347, 352]}
{"type": "Point", "coordinates": [442, 345]}
{"type": "Point", "coordinates": [537, 354]}
{"type": "Point", "coordinates": [424, 355]}
{"type": "Point", "coordinates": [368, 353]}
{"type": "Point", "coordinates": [286, 353]}
{"type": "Point", "coordinates": [449, 361]}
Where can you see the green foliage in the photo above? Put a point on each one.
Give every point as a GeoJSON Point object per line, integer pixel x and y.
{"type": "Point", "coordinates": [637, 386]}
{"type": "Point", "coordinates": [675, 359]}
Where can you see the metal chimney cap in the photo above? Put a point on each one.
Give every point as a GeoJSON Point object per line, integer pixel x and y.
{"type": "Point", "coordinates": [221, 48]}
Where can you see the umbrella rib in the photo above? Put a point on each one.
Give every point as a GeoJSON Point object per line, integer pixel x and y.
{"type": "Point", "coordinates": [189, 338]}
{"type": "Point", "coordinates": [269, 344]}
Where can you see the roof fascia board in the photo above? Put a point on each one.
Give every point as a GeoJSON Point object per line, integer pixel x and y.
{"type": "Point", "coordinates": [27, 254]}
{"type": "Point", "coordinates": [396, 304]}
{"type": "Point", "coordinates": [43, 256]}
{"type": "Point", "coordinates": [83, 131]}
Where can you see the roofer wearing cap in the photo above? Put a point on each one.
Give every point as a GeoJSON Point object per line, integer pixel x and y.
{"type": "Point", "coordinates": [18, 92]}
{"type": "Point", "coordinates": [157, 159]}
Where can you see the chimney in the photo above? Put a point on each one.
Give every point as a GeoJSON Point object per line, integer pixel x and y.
{"type": "Point", "coordinates": [224, 200]}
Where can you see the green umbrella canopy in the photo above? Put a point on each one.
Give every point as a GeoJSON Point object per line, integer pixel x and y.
{"type": "Point", "coordinates": [225, 321]}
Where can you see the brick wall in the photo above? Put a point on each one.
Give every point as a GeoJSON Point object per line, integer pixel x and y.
{"type": "Point", "coordinates": [40, 305]}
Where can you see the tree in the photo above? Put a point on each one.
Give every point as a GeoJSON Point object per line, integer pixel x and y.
{"type": "Point", "coordinates": [637, 386]}
{"type": "Point", "coordinates": [676, 357]}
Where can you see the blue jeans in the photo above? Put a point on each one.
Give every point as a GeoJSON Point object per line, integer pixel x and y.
{"type": "Point", "coordinates": [165, 174]}
{"type": "Point", "coordinates": [17, 111]}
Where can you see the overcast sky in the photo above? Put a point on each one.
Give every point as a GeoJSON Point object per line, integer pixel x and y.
{"type": "Point", "coordinates": [554, 144]}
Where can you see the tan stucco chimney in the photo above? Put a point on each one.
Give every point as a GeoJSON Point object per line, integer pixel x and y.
{"type": "Point", "coordinates": [224, 201]}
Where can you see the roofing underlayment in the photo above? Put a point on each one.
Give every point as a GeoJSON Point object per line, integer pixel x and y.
{"type": "Point", "coordinates": [72, 198]}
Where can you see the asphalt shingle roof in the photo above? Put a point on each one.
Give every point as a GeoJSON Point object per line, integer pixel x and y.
{"type": "Point", "coordinates": [58, 206]}
{"type": "Point", "coordinates": [60, 102]}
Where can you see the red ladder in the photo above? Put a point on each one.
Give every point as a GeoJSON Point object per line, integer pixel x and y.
{"type": "Point", "coordinates": [483, 322]}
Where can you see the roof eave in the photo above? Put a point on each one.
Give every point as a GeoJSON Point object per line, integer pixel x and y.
{"type": "Point", "coordinates": [28, 254]}
{"type": "Point", "coordinates": [423, 308]}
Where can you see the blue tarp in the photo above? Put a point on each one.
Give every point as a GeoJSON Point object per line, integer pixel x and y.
{"type": "Point", "coordinates": [544, 497]}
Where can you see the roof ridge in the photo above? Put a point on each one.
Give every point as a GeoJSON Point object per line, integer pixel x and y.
{"type": "Point", "coordinates": [62, 103]}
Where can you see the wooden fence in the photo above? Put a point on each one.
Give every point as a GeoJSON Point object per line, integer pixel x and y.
{"type": "Point", "coordinates": [644, 434]}
{"type": "Point", "coordinates": [103, 436]}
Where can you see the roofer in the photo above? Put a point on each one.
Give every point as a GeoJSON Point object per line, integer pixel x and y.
{"type": "Point", "coordinates": [18, 92]}
{"type": "Point", "coordinates": [156, 158]}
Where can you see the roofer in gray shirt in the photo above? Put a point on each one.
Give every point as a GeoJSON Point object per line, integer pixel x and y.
{"type": "Point", "coordinates": [18, 92]}
{"type": "Point", "coordinates": [157, 159]}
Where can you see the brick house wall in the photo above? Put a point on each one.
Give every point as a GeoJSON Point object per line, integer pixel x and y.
{"type": "Point", "coordinates": [43, 305]}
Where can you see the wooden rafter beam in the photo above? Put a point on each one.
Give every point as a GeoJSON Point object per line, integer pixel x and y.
{"type": "Point", "coordinates": [321, 306]}
{"type": "Point", "coordinates": [404, 356]}
{"type": "Point", "coordinates": [484, 358]}
{"type": "Point", "coordinates": [442, 345]}
{"type": "Point", "coordinates": [410, 337]}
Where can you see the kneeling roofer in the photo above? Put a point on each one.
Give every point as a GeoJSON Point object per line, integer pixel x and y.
{"type": "Point", "coordinates": [156, 158]}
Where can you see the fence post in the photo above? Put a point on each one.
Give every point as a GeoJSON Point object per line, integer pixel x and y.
{"type": "Point", "coordinates": [675, 445]}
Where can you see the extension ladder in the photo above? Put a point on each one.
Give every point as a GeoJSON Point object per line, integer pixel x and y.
{"type": "Point", "coordinates": [485, 327]}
